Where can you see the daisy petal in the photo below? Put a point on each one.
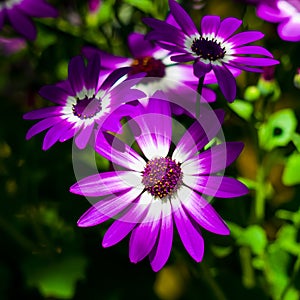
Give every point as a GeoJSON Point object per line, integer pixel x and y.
{"type": "Point", "coordinates": [42, 125]}
{"type": "Point", "coordinates": [144, 236]}
{"type": "Point", "coordinates": [210, 25]}
{"type": "Point", "coordinates": [92, 73]}
{"type": "Point", "coordinates": [76, 73]}
{"type": "Point", "coordinates": [199, 134]}
{"type": "Point", "coordinates": [226, 82]}
{"type": "Point", "coordinates": [84, 135]}
{"type": "Point", "coordinates": [54, 94]}
{"type": "Point", "coordinates": [53, 134]}
{"type": "Point", "coordinates": [216, 186]}
{"type": "Point", "coordinates": [182, 58]}
{"type": "Point", "coordinates": [201, 68]}
{"type": "Point", "coordinates": [189, 232]}
{"type": "Point", "coordinates": [245, 38]}
{"type": "Point", "coordinates": [227, 27]}
{"type": "Point", "coordinates": [255, 61]}
{"type": "Point", "coordinates": [213, 160]}
{"type": "Point", "coordinates": [202, 212]}
{"type": "Point", "coordinates": [160, 254]}
{"type": "Point", "coordinates": [253, 50]}
{"type": "Point", "coordinates": [21, 23]}
{"type": "Point", "coordinates": [116, 232]}
{"type": "Point", "coordinates": [107, 208]}
{"type": "Point", "coordinates": [118, 152]}
{"type": "Point", "coordinates": [106, 183]}
{"type": "Point", "coordinates": [182, 18]}
{"type": "Point", "coordinates": [139, 47]}
{"type": "Point", "coordinates": [36, 8]}
{"type": "Point", "coordinates": [43, 113]}
{"type": "Point", "coordinates": [289, 29]}
{"type": "Point", "coordinates": [154, 138]}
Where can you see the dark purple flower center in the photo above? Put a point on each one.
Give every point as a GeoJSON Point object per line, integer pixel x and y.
{"type": "Point", "coordinates": [208, 48]}
{"type": "Point", "coordinates": [153, 67]}
{"type": "Point", "coordinates": [87, 108]}
{"type": "Point", "coordinates": [162, 176]}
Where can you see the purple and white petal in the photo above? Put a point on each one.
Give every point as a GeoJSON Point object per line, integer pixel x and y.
{"type": "Point", "coordinates": [213, 160]}
{"type": "Point", "coordinates": [210, 26]}
{"type": "Point", "coordinates": [182, 18]}
{"type": "Point", "coordinates": [43, 113]}
{"type": "Point", "coordinates": [160, 254]}
{"type": "Point", "coordinates": [118, 152]}
{"type": "Point", "coordinates": [189, 232]}
{"type": "Point", "coordinates": [108, 208]}
{"type": "Point", "coordinates": [106, 183]}
{"type": "Point", "coordinates": [202, 212]}
{"type": "Point", "coordinates": [54, 94]}
{"type": "Point", "coordinates": [244, 38]}
{"type": "Point", "coordinates": [76, 76]}
{"type": "Point", "coordinates": [139, 246]}
{"type": "Point", "coordinates": [201, 68]}
{"type": "Point", "coordinates": [216, 186]}
{"type": "Point", "coordinates": [153, 137]}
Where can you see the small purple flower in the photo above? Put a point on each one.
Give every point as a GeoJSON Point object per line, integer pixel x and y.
{"type": "Point", "coordinates": [284, 12]}
{"type": "Point", "coordinates": [83, 103]}
{"type": "Point", "coordinates": [19, 13]}
{"type": "Point", "coordinates": [213, 49]}
{"type": "Point", "coordinates": [146, 196]}
{"type": "Point", "coordinates": [156, 63]}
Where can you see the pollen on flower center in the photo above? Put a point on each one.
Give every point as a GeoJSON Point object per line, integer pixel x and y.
{"type": "Point", "coordinates": [208, 48]}
{"type": "Point", "coordinates": [162, 177]}
{"type": "Point", "coordinates": [153, 67]}
{"type": "Point", "coordinates": [87, 108]}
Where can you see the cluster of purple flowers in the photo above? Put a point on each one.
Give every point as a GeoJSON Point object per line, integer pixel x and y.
{"type": "Point", "coordinates": [155, 185]}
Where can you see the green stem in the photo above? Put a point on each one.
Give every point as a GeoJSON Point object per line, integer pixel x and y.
{"type": "Point", "coordinates": [260, 199]}
{"type": "Point", "coordinates": [292, 278]}
{"type": "Point", "coordinates": [199, 95]}
{"type": "Point", "coordinates": [17, 236]}
{"type": "Point", "coordinates": [247, 269]}
{"type": "Point", "coordinates": [212, 283]}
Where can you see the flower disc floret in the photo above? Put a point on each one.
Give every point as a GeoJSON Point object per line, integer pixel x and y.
{"type": "Point", "coordinates": [208, 48]}
{"type": "Point", "coordinates": [162, 177]}
{"type": "Point", "coordinates": [153, 67]}
{"type": "Point", "coordinates": [87, 108]}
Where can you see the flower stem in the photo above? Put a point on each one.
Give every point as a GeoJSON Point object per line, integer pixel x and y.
{"type": "Point", "coordinates": [208, 277]}
{"type": "Point", "coordinates": [259, 206]}
{"type": "Point", "coordinates": [199, 95]}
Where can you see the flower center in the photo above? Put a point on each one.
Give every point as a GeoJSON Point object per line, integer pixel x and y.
{"type": "Point", "coordinates": [153, 67]}
{"type": "Point", "coordinates": [86, 108]}
{"type": "Point", "coordinates": [208, 48]}
{"type": "Point", "coordinates": [162, 177]}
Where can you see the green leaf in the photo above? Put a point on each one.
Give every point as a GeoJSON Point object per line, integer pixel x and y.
{"type": "Point", "coordinates": [278, 130]}
{"type": "Point", "coordinates": [296, 140]}
{"type": "Point", "coordinates": [242, 109]}
{"type": "Point", "coordinates": [291, 174]}
{"type": "Point", "coordinates": [57, 278]}
{"type": "Point", "coordinates": [145, 6]}
{"type": "Point", "coordinates": [255, 237]}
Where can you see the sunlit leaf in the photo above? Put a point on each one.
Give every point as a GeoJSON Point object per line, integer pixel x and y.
{"type": "Point", "coordinates": [242, 108]}
{"type": "Point", "coordinates": [55, 278]}
{"type": "Point", "coordinates": [278, 130]}
{"type": "Point", "coordinates": [291, 174]}
{"type": "Point", "coordinates": [255, 237]}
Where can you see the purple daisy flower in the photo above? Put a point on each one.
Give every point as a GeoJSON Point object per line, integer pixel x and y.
{"type": "Point", "coordinates": [156, 63]}
{"type": "Point", "coordinates": [284, 12]}
{"type": "Point", "coordinates": [146, 196]}
{"type": "Point", "coordinates": [213, 48]}
{"type": "Point", "coordinates": [19, 13]}
{"type": "Point", "coordinates": [84, 103]}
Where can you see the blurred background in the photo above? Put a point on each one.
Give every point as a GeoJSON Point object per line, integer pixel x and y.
{"type": "Point", "coordinates": [44, 255]}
